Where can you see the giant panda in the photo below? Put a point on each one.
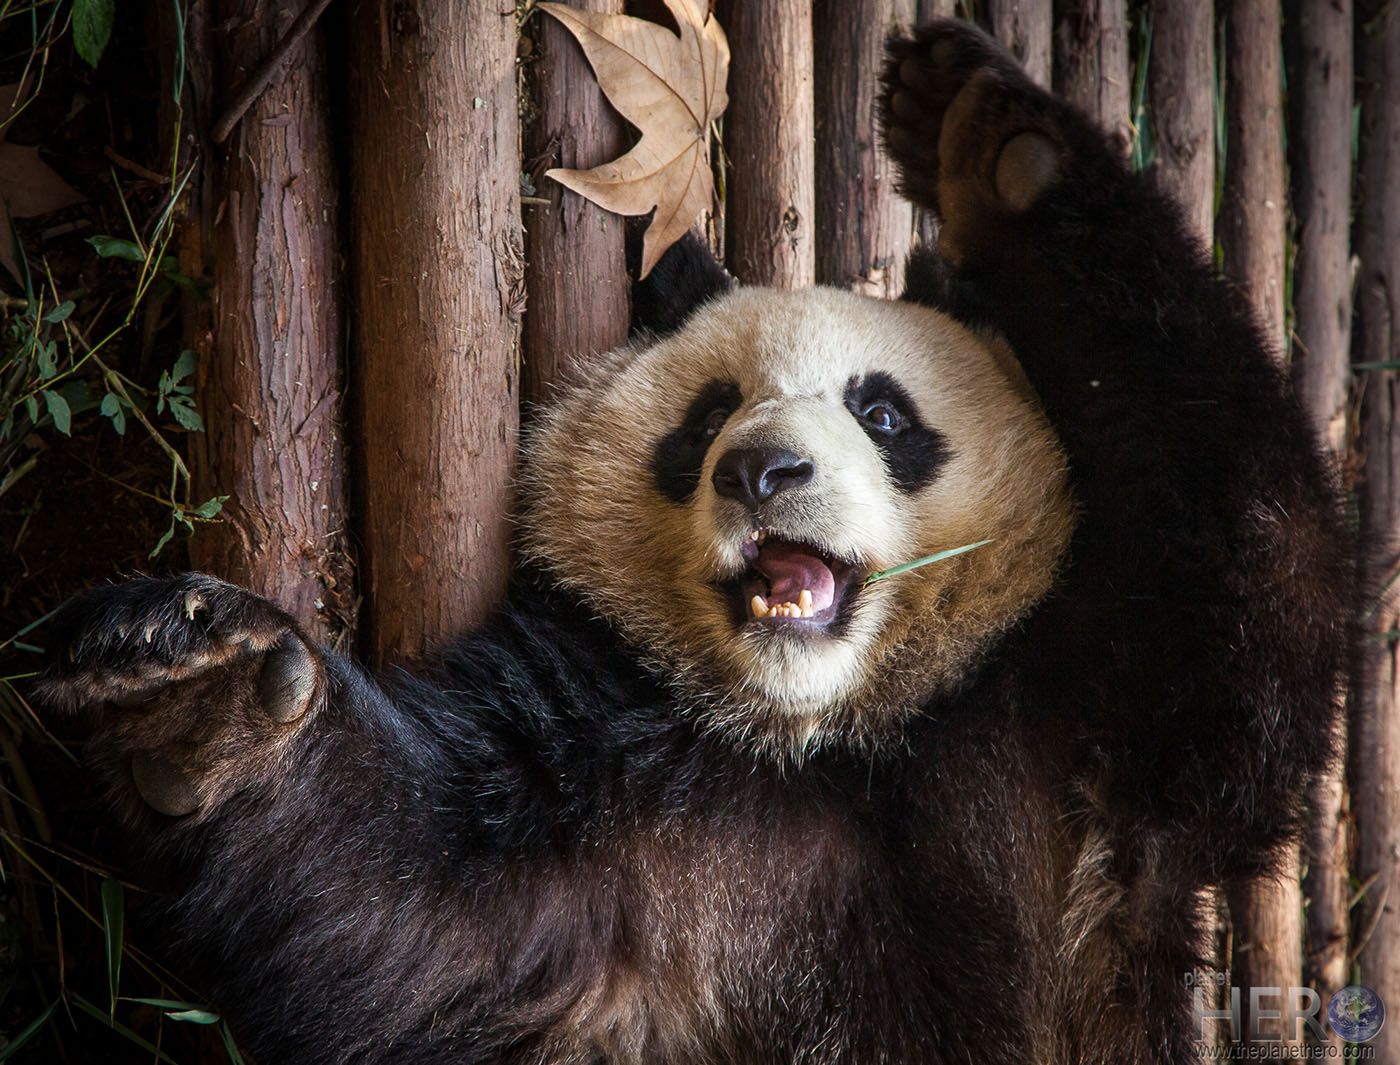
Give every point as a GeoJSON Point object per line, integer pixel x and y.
{"type": "Point", "coordinates": [702, 792]}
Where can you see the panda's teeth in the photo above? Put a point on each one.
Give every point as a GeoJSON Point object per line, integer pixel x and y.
{"type": "Point", "coordinates": [804, 600]}
{"type": "Point", "coordinates": [759, 606]}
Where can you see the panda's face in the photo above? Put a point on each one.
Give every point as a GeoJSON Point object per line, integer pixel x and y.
{"type": "Point", "coordinates": [724, 493]}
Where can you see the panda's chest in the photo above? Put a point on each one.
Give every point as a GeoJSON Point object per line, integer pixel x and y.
{"type": "Point", "coordinates": [725, 933]}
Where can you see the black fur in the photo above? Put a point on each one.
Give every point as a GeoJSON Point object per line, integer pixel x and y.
{"type": "Point", "coordinates": [680, 453]}
{"type": "Point", "coordinates": [458, 866]}
{"type": "Point", "coordinates": [685, 278]}
{"type": "Point", "coordinates": [915, 453]}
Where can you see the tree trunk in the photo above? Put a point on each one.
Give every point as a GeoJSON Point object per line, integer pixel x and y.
{"type": "Point", "coordinates": [576, 271]}
{"type": "Point", "coordinates": [1321, 172]}
{"type": "Point", "coordinates": [1181, 106]}
{"type": "Point", "coordinates": [1375, 725]}
{"type": "Point", "coordinates": [1024, 26]}
{"type": "Point", "coordinates": [1251, 222]}
{"type": "Point", "coordinates": [270, 368]}
{"type": "Point", "coordinates": [1267, 914]}
{"type": "Point", "coordinates": [769, 194]}
{"type": "Point", "coordinates": [867, 229]}
{"type": "Point", "coordinates": [1091, 62]}
{"type": "Point", "coordinates": [1320, 40]}
{"type": "Point", "coordinates": [439, 291]}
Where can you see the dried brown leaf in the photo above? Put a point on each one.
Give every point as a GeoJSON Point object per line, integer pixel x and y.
{"type": "Point", "coordinates": [30, 187]}
{"type": "Point", "coordinates": [671, 88]}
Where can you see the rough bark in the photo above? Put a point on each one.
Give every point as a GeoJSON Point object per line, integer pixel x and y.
{"type": "Point", "coordinates": [1091, 61]}
{"type": "Point", "coordinates": [438, 283]}
{"type": "Point", "coordinates": [1251, 219]}
{"type": "Point", "coordinates": [271, 347]}
{"type": "Point", "coordinates": [1267, 915]}
{"type": "Point", "coordinates": [770, 193]}
{"type": "Point", "coordinates": [1025, 27]}
{"type": "Point", "coordinates": [1268, 938]}
{"type": "Point", "coordinates": [1375, 723]}
{"type": "Point", "coordinates": [867, 230]}
{"type": "Point", "coordinates": [1320, 41]}
{"type": "Point", "coordinates": [1320, 168]}
{"type": "Point", "coordinates": [1181, 106]}
{"type": "Point", "coordinates": [575, 272]}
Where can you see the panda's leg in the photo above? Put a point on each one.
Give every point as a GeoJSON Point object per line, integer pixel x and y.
{"type": "Point", "coordinates": [1193, 651]}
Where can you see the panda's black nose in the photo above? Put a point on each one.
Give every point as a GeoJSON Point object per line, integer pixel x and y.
{"type": "Point", "coordinates": [753, 475]}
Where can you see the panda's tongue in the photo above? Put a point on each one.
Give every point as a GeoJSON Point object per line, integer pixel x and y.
{"type": "Point", "coordinates": [790, 570]}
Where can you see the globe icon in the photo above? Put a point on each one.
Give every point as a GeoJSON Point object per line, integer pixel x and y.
{"type": "Point", "coordinates": [1356, 1013]}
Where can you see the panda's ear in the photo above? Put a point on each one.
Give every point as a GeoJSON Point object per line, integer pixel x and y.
{"type": "Point", "coordinates": [686, 277]}
{"type": "Point", "coordinates": [930, 283]}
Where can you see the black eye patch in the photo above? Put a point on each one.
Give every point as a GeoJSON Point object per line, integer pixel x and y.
{"type": "Point", "coordinates": [914, 453]}
{"type": "Point", "coordinates": [680, 453]}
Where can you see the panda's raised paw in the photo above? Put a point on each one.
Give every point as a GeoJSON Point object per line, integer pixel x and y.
{"type": "Point", "coordinates": [968, 129]}
{"type": "Point", "coordinates": [189, 683]}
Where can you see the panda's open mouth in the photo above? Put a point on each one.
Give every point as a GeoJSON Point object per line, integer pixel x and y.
{"type": "Point", "coordinates": [788, 582]}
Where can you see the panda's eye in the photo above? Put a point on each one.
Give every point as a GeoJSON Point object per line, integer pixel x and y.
{"type": "Point", "coordinates": [714, 422]}
{"type": "Point", "coordinates": [882, 416]}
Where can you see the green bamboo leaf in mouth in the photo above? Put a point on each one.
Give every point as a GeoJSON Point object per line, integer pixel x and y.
{"type": "Point", "coordinates": [937, 556]}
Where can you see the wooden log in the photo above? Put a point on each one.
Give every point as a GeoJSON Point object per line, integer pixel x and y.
{"type": "Point", "coordinates": [867, 229]}
{"type": "Point", "coordinates": [1025, 26]}
{"type": "Point", "coordinates": [1251, 219]}
{"type": "Point", "coordinates": [1091, 62]}
{"type": "Point", "coordinates": [770, 212]}
{"type": "Point", "coordinates": [575, 269]}
{"type": "Point", "coordinates": [1320, 43]}
{"type": "Point", "coordinates": [1267, 914]}
{"type": "Point", "coordinates": [271, 383]}
{"type": "Point", "coordinates": [1375, 720]}
{"type": "Point", "coordinates": [1181, 106]}
{"type": "Point", "coordinates": [439, 292]}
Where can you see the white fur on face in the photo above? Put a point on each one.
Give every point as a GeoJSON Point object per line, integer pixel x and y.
{"type": "Point", "coordinates": [596, 517]}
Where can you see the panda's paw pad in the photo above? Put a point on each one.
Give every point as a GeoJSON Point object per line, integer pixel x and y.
{"type": "Point", "coordinates": [186, 683]}
{"type": "Point", "coordinates": [964, 123]}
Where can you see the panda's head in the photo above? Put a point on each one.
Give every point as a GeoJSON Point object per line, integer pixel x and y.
{"type": "Point", "coordinates": [722, 493]}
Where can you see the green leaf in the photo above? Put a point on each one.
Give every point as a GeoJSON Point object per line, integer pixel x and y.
{"type": "Point", "coordinates": [185, 365]}
{"type": "Point", "coordinates": [92, 27]}
{"type": "Point", "coordinates": [195, 1016]}
{"type": "Point", "coordinates": [31, 407]}
{"type": "Point", "coordinates": [937, 556]}
{"type": "Point", "coordinates": [48, 364]}
{"type": "Point", "coordinates": [185, 414]}
{"type": "Point", "coordinates": [58, 410]}
{"type": "Point", "coordinates": [116, 248]}
{"type": "Point", "coordinates": [114, 934]}
{"type": "Point", "coordinates": [59, 313]}
{"type": "Point", "coordinates": [112, 408]}
{"type": "Point", "coordinates": [165, 539]}
{"type": "Point", "coordinates": [210, 507]}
